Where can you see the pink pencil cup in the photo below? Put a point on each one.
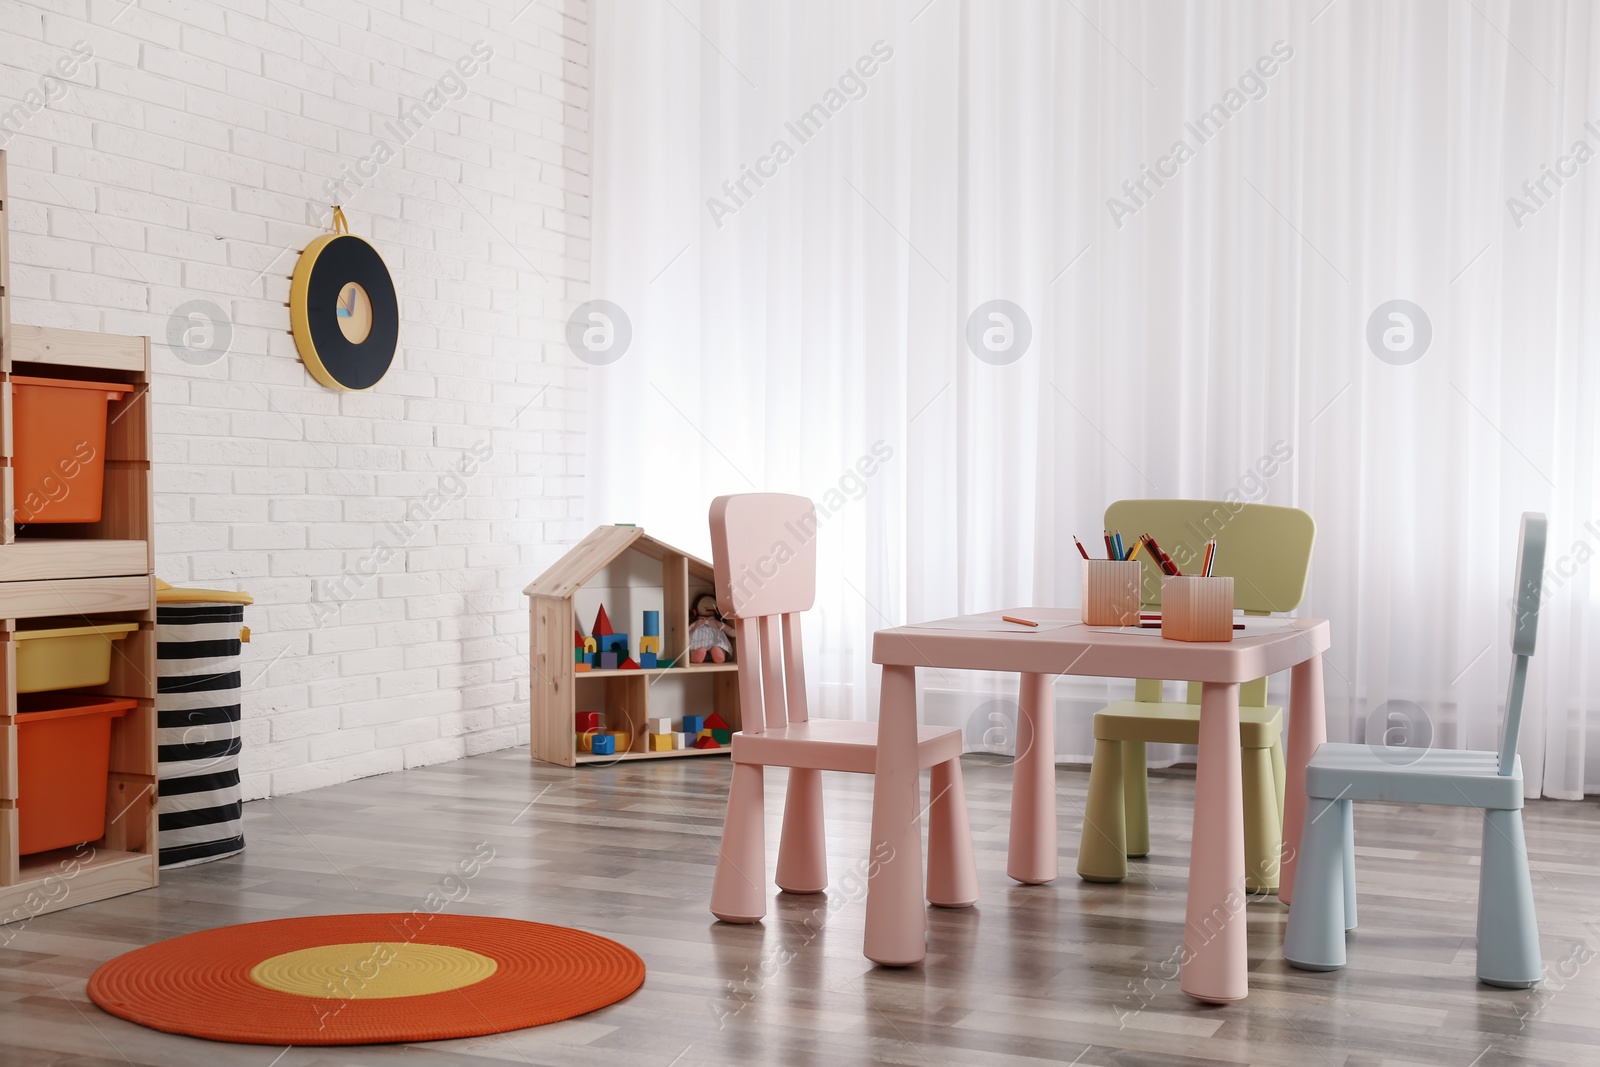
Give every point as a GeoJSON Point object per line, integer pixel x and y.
{"type": "Point", "coordinates": [1197, 609]}
{"type": "Point", "coordinates": [1111, 592]}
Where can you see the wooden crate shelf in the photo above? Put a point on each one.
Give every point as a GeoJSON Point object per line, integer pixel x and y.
{"type": "Point", "coordinates": [624, 562]}
{"type": "Point", "coordinates": [68, 573]}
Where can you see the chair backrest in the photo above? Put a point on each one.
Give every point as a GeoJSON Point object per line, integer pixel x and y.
{"type": "Point", "coordinates": [764, 558]}
{"type": "Point", "coordinates": [1524, 628]}
{"type": "Point", "coordinates": [1265, 549]}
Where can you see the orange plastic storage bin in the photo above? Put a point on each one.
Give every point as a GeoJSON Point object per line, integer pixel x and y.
{"type": "Point", "coordinates": [59, 439]}
{"type": "Point", "coordinates": [63, 754]}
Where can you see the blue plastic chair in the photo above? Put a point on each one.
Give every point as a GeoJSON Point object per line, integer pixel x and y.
{"type": "Point", "coordinates": [1325, 891]}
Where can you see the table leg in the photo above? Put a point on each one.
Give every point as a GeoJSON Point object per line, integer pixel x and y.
{"type": "Point", "coordinates": [1215, 961]}
{"type": "Point", "coordinates": [1308, 728]}
{"type": "Point", "coordinates": [1033, 858]}
{"type": "Point", "coordinates": [896, 920]}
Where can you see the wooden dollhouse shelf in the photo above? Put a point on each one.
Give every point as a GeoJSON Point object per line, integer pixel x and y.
{"type": "Point", "coordinates": [629, 572]}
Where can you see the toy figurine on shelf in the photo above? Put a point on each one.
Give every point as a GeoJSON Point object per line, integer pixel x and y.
{"type": "Point", "coordinates": [709, 632]}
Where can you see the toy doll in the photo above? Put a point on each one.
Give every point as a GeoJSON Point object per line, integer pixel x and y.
{"type": "Point", "coordinates": [709, 632]}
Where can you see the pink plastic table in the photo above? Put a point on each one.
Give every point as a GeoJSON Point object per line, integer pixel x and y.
{"type": "Point", "coordinates": [1214, 956]}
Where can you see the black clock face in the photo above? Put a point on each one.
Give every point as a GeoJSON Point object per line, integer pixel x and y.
{"type": "Point", "coordinates": [352, 316]}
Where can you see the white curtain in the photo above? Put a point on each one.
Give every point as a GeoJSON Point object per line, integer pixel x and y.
{"type": "Point", "coordinates": [800, 316]}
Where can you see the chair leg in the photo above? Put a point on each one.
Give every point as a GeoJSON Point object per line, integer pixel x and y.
{"type": "Point", "coordinates": [1279, 772]}
{"type": "Point", "coordinates": [1136, 798]}
{"type": "Point", "coordinates": [1103, 843]}
{"type": "Point", "coordinates": [1263, 832]}
{"type": "Point", "coordinates": [1347, 824]}
{"type": "Point", "coordinates": [1508, 933]}
{"type": "Point", "coordinates": [952, 867]}
{"type": "Point", "coordinates": [1314, 939]}
{"type": "Point", "coordinates": [802, 845]}
{"type": "Point", "coordinates": [739, 893]}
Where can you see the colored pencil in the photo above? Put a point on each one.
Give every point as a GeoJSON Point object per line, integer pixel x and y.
{"type": "Point", "coordinates": [1137, 545]}
{"type": "Point", "coordinates": [1019, 622]}
{"type": "Point", "coordinates": [1084, 552]}
{"type": "Point", "coordinates": [1111, 553]}
{"type": "Point", "coordinates": [1117, 537]}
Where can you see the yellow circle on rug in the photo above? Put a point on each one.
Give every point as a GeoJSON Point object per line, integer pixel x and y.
{"type": "Point", "coordinates": [368, 971]}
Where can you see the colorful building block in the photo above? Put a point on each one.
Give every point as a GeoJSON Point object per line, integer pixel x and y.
{"type": "Point", "coordinates": [716, 722]}
{"type": "Point", "coordinates": [650, 644]}
{"type": "Point", "coordinates": [628, 665]}
{"type": "Point", "coordinates": [705, 742]}
{"type": "Point", "coordinates": [587, 720]}
{"type": "Point", "coordinates": [693, 724]}
{"type": "Point", "coordinates": [659, 726]}
{"type": "Point", "coordinates": [602, 623]}
{"type": "Point", "coordinates": [652, 624]}
{"type": "Point", "coordinates": [661, 742]}
{"type": "Point", "coordinates": [722, 737]}
{"type": "Point", "coordinates": [582, 667]}
{"type": "Point", "coordinates": [608, 661]}
{"type": "Point", "coordinates": [614, 643]}
{"type": "Point", "coordinates": [590, 646]}
{"type": "Point", "coordinates": [677, 742]}
{"type": "Point", "coordinates": [603, 745]}
{"type": "Point", "coordinates": [647, 660]}
{"type": "Point", "coordinates": [688, 740]}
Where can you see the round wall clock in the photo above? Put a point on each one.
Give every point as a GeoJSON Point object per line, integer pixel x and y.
{"type": "Point", "coordinates": [344, 311]}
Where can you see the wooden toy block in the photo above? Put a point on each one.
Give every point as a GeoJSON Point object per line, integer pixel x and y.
{"type": "Point", "coordinates": [693, 724]}
{"type": "Point", "coordinates": [652, 625]}
{"type": "Point", "coordinates": [722, 737]}
{"type": "Point", "coordinates": [590, 647]}
{"type": "Point", "coordinates": [602, 623]}
{"type": "Point", "coordinates": [614, 643]}
{"type": "Point", "coordinates": [677, 742]}
{"type": "Point", "coordinates": [661, 742]}
{"type": "Point", "coordinates": [706, 742]}
{"type": "Point", "coordinates": [659, 726]}
{"type": "Point", "coordinates": [582, 666]}
{"type": "Point", "coordinates": [608, 661]}
{"type": "Point", "coordinates": [587, 720]}
{"type": "Point", "coordinates": [603, 745]}
{"type": "Point", "coordinates": [688, 740]}
{"type": "Point", "coordinates": [664, 663]}
{"type": "Point", "coordinates": [647, 660]}
{"type": "Point", "coordinates": [649, 643]}
{"type": "Point", "coordinates": [577, 656]}
{"type": "Point", "coordinates": [716, 722]}
{"type": "Point", "coordinates": [628, 665]}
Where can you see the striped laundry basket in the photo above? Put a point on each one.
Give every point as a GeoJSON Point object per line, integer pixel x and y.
{"type": "Point", "coordinates": [198, 636]}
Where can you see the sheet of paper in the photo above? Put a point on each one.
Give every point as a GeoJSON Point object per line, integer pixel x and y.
{"type": "Point", "coordinates": [981, 625]}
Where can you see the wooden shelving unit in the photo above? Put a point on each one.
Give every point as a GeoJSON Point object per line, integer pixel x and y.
{"type": "Point", "coordinates": [62, 575]}
{"type": "Point", "coordinates": [629, 571]}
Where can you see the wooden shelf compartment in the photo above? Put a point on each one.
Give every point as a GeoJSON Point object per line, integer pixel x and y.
{"type": "Point", "coordinates": [705, 668]}
{"type": "Point", "coordinates": [131, 816]}
{"type": "Point", "coordinates": [43, 352]}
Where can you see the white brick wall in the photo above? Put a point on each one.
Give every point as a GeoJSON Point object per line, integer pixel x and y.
{"type": "Point", "coordinates": [179, 163]}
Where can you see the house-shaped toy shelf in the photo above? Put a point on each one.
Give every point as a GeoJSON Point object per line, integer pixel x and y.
{"type": "Point", "coordinates": [628, 572]}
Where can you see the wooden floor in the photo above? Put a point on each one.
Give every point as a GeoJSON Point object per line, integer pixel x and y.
{"type": "Point", "coordinates": [1062, 973]}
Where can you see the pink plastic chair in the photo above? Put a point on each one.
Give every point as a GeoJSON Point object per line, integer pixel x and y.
{"type": "Point", "coordinates": [764, 551]}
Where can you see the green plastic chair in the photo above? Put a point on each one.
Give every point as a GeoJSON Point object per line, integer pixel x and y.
{"type": "Point", "coordinates": [1267, 552]}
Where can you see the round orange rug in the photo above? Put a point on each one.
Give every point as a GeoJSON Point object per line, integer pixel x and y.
{"type": "Point", "coordinates": [366, 979]}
